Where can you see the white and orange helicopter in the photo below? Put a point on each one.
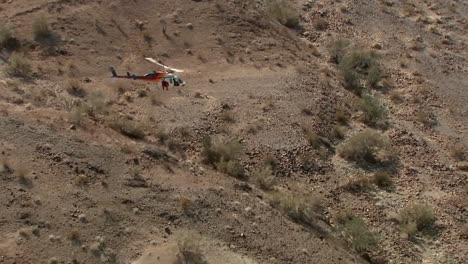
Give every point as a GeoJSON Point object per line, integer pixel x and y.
{"type": "Point", "coordinates": [168, 74]}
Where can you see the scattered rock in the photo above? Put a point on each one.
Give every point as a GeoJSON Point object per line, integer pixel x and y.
{"type": "Point", "coordinates": [189, 26]}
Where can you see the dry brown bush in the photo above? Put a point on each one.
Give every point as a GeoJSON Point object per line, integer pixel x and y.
{"type": "Point", "coordinates": [74, 88]}
{"type": "Point", "coordinates": [337, 49]}
{"type": "Point", "coordinates": [416, 217]}
{"type": "Point", "coordinates": [18, 66]}
{"type": "Point", "coordinates": [358, 234]}
{"type": "Point", "coordinates": [7, 40]}
{"type": "Point", "coordinates": [190, 251]}
{"type": "Point", "coordinates": [224, 157]}
{"type": "Point", "coordinates": [342, 117]}
{"type": "Point", "coordinates": [284, 13]}
{"type": "Point", "coordinates": [300, 205]}
{"type": "Point", "coordinates": [264, 178]}
{"type": "Point", "coordinates": [128, 127]}
{"type": "Point", "coordinates": [375, 113]}
{"type": "Point", "coordinates": [368, 145]}
{"type": "Point", "coordinates": [383, 179]}
{"type": "Point", "coordinates": [41, 30]}
{"type": "Point", "coordinates": [459, 152]}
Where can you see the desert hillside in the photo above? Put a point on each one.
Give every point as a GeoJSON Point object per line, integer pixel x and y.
{"type": "Point", "coordinates": [307, 132]}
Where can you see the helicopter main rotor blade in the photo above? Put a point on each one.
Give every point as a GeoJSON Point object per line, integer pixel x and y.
{"type": "Point", "coordinates": [164, 66]}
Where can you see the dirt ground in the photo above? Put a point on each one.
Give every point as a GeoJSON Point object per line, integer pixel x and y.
{"type": "Point", "coordinates": [74, 189]}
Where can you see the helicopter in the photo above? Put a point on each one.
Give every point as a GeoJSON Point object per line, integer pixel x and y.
{"type": "Point", "coordinates": [168, 74]}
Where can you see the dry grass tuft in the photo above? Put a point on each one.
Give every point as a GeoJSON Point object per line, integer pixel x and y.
{"type": "Point", "coordinates": [265, 179]}
{"type": "Point", "coordinates": [340, 131]}
{"type": "Point", "coordinates": [320, 24]}
{"type": "Point", "coordinates": [359, 183]}
{"type": "Point", "coordinates": [416, 217]}
{"type": "Point", "coordinates": [396, 96]}
{"type": "Point", "coordinates": [18, 65]}
{"type": "Point", "coordinates": [74, 88]}
{"type": "Point", "coordinates": [337, 49]}
{"type": "Point", "coordinates": [459, 152]}
{"type": "Point", "coordinates": [375, 113]}
{"type": "Point", "coordinates": [357, 233]}
{"type": "Point", "coordinates": [300, 205]}
{"type": "Point", "coordinates": [190, 251]}
{"type": "Point", "coordinates": [284, 13]}
{"type": "Point", "coordinates": [7, 40]}
{"type": "Point", "coordinates": [224, 157]}
{"type": "Point", "coordinates": [22, 174]}
{"type": "Point", "coordinates": [186, 204]}
{"type": "Point", "coordinates": [426, 118]}
{"type": "Point", "coordinates": [383, 179]}
{"type": "Point", "coordinates": [130, 128]}
{"type": "Point", "coordinates": [342, 117]}
{"type": "Point", "coordinates": [368, 145]}
{"type": "Point", "coordinates": [41, 30]}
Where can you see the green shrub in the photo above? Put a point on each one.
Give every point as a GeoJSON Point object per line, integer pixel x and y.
{"type": "Point", "coordinates": [18, 66]}
{"type": "Point", "coordinates": [337, 49]}
{"type": "Point", "coordinates": [416, 217]}
{"type": "Point", "coordinates": [41, 30]}
{"type": "Point", "coordinates": [374, 111]}
{"type": "Point", "coordinates": [358, 234]}
{"type": "Point", "coordinates": [368, 145]}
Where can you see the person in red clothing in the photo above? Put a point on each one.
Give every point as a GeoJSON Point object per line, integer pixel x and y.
{"type": "Point", "coordinates": [165, 85]}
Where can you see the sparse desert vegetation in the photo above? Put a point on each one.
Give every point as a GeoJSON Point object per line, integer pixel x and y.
{"type": "Point", "coordinates": [415, 218]}
{"type": "Point", "coordinates": [131, 128]}
{"type": "Point", "coordinates": [336, 126]}
{"type": "Point", "coordinates": [368, 145]}
{"type": "Point", "coordinates": [41, 30]}
{"type": "Point", "coordinates": [284, 13]}
{"type": "Point", "coordinates": [224, 157]}
{"type": "Point", "coordinates": [18, 65]}
{"type": "Point", "coordinates": [357, 233]}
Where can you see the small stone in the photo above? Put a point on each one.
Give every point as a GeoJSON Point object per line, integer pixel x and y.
{"type": "Point", "coordinates": [248, 209]}
{"type": "Point", "coordinates": [189, 26]}
{"type": "Point", "coordinates": [218, 210]}
{"type": "Point", "coordinates": [82, 218]}
{"type": "Point", "coordinates": [72, 127]}
{"type": "Point", "coordinates": [136, 210]}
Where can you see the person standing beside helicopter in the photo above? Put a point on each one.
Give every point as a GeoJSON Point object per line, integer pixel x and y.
{"type": "Point", "coordinates": [165, 85]}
